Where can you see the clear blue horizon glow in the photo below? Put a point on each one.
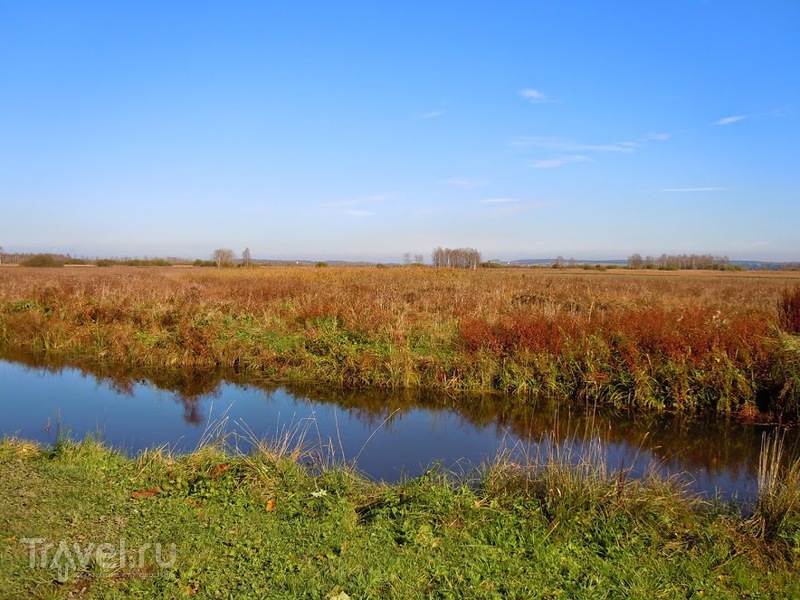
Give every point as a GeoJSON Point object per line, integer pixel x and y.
{"type": "Point", "coordinates": [362, 131]}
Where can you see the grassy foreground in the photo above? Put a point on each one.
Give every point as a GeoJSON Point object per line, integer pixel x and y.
{"type": "Point", "coordinates": [719, 342]}
{"type": "Point", "coordinates": [267, 525]}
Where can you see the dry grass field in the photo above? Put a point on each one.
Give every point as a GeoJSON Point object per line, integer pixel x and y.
{"type": "Point", "coordinates": [690, 341]}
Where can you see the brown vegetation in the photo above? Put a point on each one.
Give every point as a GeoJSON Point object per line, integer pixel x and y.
{"type": "Point", "coordinates": [675, 341]}
{"type": "Point", "coordinates": [789, 310]}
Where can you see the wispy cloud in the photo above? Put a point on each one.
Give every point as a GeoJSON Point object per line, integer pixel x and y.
{"type": "Point", "coordinates": [778, 112]}
{"type": "Point", "coordinates": [351, 206]}
{"type": "Point", "coordinates": [534, 96]}
{"type": "Point", "coordinates": [564, 145]}
{"type": "Point", "coordinates": [465, 183]}
{"type": "Point", "coordinates": [729, 120]}
{"type": "Point", "coordinates": [658, 137]}
{"type": "Point", "coordinates": [569, 151]}
{"type": "Point", "coordinates": [695, 189]}
{"type": "Point", "coordinates": [431, 115]}
{"type": "Point", "coordinates": [498, 200]}
{"type": "Point", "coordinates": [552, 163]}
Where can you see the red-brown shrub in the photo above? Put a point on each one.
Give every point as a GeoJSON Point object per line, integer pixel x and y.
{"type": "Point", "coordinates": [533, 333]}
{"type": "Point", "coordinates": [789, 310]}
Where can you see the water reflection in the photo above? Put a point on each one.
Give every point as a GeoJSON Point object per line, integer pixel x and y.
{"type": "Point", "coordinates": [392, 433]}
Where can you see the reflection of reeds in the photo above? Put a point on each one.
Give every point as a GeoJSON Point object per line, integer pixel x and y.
{"type": "Point", "coordinates": [686, 342]}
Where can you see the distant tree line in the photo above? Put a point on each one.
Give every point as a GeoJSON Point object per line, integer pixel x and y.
{"type": "Point", "coordinates": [42, 259]}
{"type": "Point", "coordinates": [417, 259]}
{"type": "Point", "coordinates": [786, 266]}
{"type": "Point", "coordinates": [52, 259]}
{"type": "Point", "coordinates": [679, 261]}
{"type": "Point", "coordinates": [133, 262]}
{"type": "Point", "coordinates": [456, 258]}
{"type": "Point", "coordinates": [15, 258]}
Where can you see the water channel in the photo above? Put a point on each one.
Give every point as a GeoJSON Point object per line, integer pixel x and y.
{"type": "Point", "coordinates": [388, 435]}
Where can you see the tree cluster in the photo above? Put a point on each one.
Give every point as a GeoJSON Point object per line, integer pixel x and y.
{"type": "Point", "coordinates": [223, 257]}
{"type": "Point", "coordinates": [679, 261]}
{"type": "Point", "coordinates": [28, 259]}
{"type": "Point", "coordinates": [458, 258]}
{"type": "Point", "coordinates": [418, 259]}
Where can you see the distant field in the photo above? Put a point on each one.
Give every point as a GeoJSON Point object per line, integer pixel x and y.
{"type": "Point", "coordinates": [673, 340]}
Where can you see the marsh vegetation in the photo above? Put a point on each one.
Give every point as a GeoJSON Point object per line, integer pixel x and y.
{"type": "Point", "coordinates": [720, 343]}
{"type": "Point", "coordinates": [284, 521]}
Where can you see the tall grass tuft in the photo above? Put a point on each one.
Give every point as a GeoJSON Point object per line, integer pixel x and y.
{"type": "Point", "coordinates": [776, 517]}
{"type": "Point", "coordinates": [566, 481]}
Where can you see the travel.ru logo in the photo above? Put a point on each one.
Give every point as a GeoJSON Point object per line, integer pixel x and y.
{"type": "Point", "coordinates": [67, 558]}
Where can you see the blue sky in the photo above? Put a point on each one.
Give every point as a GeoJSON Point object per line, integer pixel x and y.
{"type": "Point", "coordinates": [357, 130]}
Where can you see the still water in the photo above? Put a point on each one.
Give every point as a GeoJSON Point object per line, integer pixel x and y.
{"type": "Point", "coordinates": [387, 435]}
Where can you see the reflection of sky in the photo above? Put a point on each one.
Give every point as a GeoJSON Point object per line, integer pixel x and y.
{"type": "Point", "coordinates": [404, 442]}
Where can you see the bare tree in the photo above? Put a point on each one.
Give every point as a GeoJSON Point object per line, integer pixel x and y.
{"type": "Point", "coordinates": [635, 261]}
{"type": "Point", "coordinates": [439, 257]}
{"type": "Point", "coordinates": [407, 258]}
{"type": "Point", "coordinates": [419, 259]}
{"type": "Point", "coordinates": [246, 260]}
{"type": "Point", "coordinates": [1, 255]}
{"type": "Point", "coordinates": [459, 258]}
{"type": "Point", "coordinates": [223, 257]}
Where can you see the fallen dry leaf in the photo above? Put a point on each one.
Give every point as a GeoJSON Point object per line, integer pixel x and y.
{"type": "Point", "coordinates": [270, 505]}
{"type": "Point", "coordinates": [191, 589]}
{"type": "Point", "coordinates": [145, 493]}
{"type": "Point", "coordinates": [218, 470]}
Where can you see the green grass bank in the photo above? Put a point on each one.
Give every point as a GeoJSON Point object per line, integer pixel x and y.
{"type": "Point", "coordinates": [80, 520]}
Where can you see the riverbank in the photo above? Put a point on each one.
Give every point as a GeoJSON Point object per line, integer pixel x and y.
{"type": "Point", "coordinates": [211, 524]}
{"type": "Point", "coordinates": [689, 342]}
